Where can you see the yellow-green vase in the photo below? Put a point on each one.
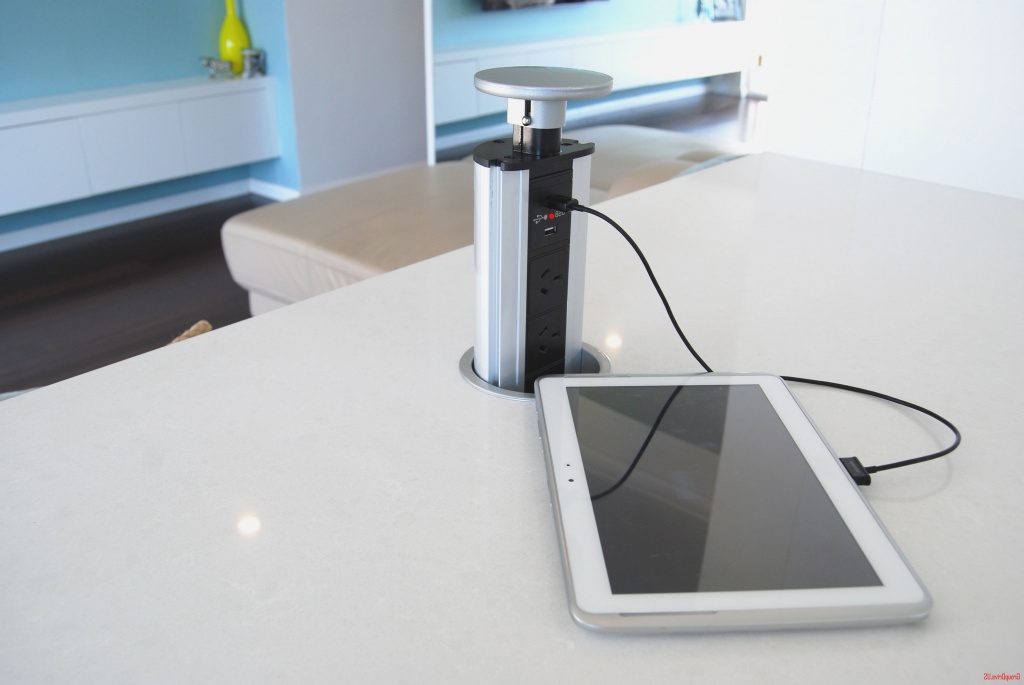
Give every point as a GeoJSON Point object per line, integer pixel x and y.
{"type": "Point", "coordinates": [233, 38]}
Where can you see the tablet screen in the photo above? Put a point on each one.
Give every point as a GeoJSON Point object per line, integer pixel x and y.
{"type": "Point", "coordinates": [700, 488]}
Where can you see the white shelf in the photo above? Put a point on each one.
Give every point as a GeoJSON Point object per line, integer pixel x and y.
{"type": "Point", "coordinates": [636, 59]}
{"type": "Point", "coordinates": [67, 147]}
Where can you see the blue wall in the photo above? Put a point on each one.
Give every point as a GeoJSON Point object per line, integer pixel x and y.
{"type": "Point", "coordinates": [51, 48]}
{"type": "Point", "coordinates": [462, 24]}
{"type": "Point", "coordinates": [57, 48]}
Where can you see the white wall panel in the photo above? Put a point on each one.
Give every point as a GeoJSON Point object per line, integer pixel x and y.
{"type": "Point", "coordinates": [948, 100]}
{"type": "Point", "coordinates": [358, 87]}
{"type": "Point", "coordinates": [822, 60]}
{"type": "Point", "coordinates": [926, 89]}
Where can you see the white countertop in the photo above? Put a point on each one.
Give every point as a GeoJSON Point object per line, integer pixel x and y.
{"type": "Point", "coordinates": [405, 525]}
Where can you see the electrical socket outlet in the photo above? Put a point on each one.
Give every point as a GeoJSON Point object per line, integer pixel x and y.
{"type": "Point", "coordinates": [545, 339]}
{"type": "Point", "coordinates": [547, 281]}
{"type": "Point", "coordinates": [549, 228]}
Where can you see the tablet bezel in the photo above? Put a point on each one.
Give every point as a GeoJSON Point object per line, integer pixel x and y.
{"type": "Point", "coordinates": [900, 598]}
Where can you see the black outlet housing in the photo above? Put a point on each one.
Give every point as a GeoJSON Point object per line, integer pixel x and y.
{"type": "Point", "coordinates": [549, 236]}
{"type": "Point", "coordinates": [547, 277]}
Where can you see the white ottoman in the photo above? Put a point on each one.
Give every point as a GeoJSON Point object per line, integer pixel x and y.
{"type": "Point", "coordinates": [288, 251]}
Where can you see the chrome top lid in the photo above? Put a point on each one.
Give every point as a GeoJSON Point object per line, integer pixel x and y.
{"type": "Point", "coordinates": [543, 83]}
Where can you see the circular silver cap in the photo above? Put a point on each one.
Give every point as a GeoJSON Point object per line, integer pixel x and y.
{"type": "Point", "coordinates": [543, 83]}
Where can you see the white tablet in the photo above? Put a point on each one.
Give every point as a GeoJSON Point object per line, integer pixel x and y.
{"type": "Point", "coordinates": [711, 502]}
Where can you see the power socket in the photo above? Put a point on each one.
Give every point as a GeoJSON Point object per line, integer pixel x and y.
{"type": "Point", "coordinates": [545, 344]}
{"type": "Point", "coordinates": [547, 281]}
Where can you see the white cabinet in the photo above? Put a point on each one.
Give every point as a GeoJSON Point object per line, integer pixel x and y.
{"type": "Point", "coordinates": [133, 147]}
{"type": "Point", "coordinates": [68, 147]}
{"type": "Point", "coordinates": [228, 130]}
{"type": "Point", "coordinates": [41, 164]}
{"type": "Point", "coordinates": [452, 100]}
{"type": "Point", "coordinates": [687, 51]}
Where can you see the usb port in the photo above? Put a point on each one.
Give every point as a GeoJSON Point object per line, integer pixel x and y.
{"type": "Point", "coordinates": [550, 230]}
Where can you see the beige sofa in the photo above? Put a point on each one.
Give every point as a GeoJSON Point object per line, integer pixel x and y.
{"type": "Point", "coordinates": [288, 251]}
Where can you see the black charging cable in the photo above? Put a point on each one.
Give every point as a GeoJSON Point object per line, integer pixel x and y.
{"type": "Point", "coordinates": [643, 448]}
{"type": "Point", "coordinates": [861, 474]}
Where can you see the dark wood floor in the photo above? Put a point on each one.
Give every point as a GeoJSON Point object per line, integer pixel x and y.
{"type": "Point", "coordinates": [75, 304]}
